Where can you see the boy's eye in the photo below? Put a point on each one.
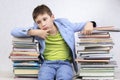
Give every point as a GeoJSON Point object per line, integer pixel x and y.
{"type": "Point", "coordinates": [44, 19]}
{"type": "Point", "coordinates": [38, 22]}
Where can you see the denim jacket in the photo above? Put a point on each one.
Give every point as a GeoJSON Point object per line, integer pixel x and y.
{"type": "Point", "coordinates": [66, 29]}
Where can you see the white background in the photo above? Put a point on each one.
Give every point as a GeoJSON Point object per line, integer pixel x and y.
{"type": "Point", "coordinates": [18, 13]}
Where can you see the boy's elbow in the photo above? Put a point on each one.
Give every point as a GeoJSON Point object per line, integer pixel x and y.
{"type": "Point", "coordinates": [20, 32]}
{"type": "Point", "coordinates": [15, 32]}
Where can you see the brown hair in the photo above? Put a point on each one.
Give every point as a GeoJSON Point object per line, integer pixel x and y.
{"type": "Point", "coordinates": [41, 9]}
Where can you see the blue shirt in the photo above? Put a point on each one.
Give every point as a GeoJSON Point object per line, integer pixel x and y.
{"type": "Point", "coordinates": [66, 29]}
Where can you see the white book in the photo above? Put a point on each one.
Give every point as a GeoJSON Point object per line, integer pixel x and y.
{"type": "Point", "coordinates": [98, 77]}
{"type": "Point", "coordinates": [97, 74]}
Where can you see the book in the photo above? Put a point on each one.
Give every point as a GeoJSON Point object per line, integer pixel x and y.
{"type": "Point", "coordinates": [26, 71]}
{"type": "Point", "coordinates": [96, 56]}
{"type": "Point", "coordinates": [26, 39]}
{"type": "Point", "coordinates": [96, 74]}
{"type": "Point", "coordinates": [26, 76]}
{"type": "Point", "coordinates": [98, 77]}
{"type": "Point", "coordinates": [18, 64]}
{"type": "Point", "coordinates": [24, 53]}
{"type": "Point", "coordinates": [107, 28]}
{"type": "Point", "coordinates": [92, 52]}
{"type": "Point", "coordinates": [94, 40]}
{"type": "Point", "coordinates": [98, 61]}
{"type": "Point", "coordinates": [24, 49]}
{"type": "Point", "coordinates": [99, 48]}
{"type": "Point", "coordinates": [110, 64]}
{"type": "Point", "coordinates": [94, 36]}
{"type": "Point", "coordinates": [97, 70]}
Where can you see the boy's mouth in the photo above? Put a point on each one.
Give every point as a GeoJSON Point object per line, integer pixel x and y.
{"type": "Point", "coordinates": [44, 28]}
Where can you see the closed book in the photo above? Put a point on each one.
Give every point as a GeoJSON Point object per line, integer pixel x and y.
{"type": "Point", "coordinates": [98, 61]}
{"type": "Point", "coordinates": [96, 74]}
{"type": "Point", "coordinates": [25, 39]}
{"type": "Point", "coordinates": [26, 71]}
{"type": "Point", "coordinates": [98, 77]}
{"type": "Point", "coordinates": [94, 36]}
{"type": "Point", "coordinates": [107, 28]}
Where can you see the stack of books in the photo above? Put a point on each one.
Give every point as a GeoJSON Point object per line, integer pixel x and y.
{"type": "Point", "coordinates": [24, 55]}
{"type": "Point", "coordinates": [94, 57]}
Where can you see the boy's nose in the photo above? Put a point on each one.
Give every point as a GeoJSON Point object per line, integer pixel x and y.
{"type": "Point", "coordinates": [43, 24]}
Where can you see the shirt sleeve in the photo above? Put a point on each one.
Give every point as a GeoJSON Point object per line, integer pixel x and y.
{"type": "Point", "coordinates": [22, 31]}
{"type": "Point", "coordinates": [78, 26]}
{"type": "Point", "coordinates": [74, 26]}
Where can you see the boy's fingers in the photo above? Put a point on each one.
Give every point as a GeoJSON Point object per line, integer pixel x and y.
{"type": "Point", "coordinates": [86, 32]}
{"type": "Point", "coordinates": [48, 30]}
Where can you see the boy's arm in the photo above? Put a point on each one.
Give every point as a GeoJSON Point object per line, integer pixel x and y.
{"type": "Point", "coordinates": [38, 32]}
{"type": "Point", "coordinates": [85, 27]}
{"type": "Point", "coordinates": [28, 32]}
{"type": "Point", "coordinates": [20, 32]}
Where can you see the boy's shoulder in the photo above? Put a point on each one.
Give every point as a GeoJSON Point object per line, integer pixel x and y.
{"type": "Point", "coordinates": [62, 20]}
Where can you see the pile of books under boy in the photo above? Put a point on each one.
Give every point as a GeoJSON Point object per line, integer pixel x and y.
{"type": "Point", "coordinates": [24, 55]}
{"type": "Point", "coordinates": [94, 56]}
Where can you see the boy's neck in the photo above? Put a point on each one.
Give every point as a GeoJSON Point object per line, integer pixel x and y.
{"type": "Point", "coordinates": [54, 30]}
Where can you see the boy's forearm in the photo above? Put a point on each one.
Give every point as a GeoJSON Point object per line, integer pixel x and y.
{"type": "Point", "coordinates": [37, 32]}
{"type": "Point", "coordinates": [32, 32]}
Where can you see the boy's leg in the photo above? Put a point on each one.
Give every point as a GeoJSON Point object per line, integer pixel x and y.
{"type": "Point", "coordinates": [65, 71]}
{"type": "Point", "coordinates": [46, 72]}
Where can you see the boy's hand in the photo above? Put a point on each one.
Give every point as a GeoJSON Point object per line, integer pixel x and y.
{"type": "Point", "coordinates": [88, 28]}
{"type": "Point", "coordinates": [43, 33]}
{"type": "Point", "coordinates": [39, 32]}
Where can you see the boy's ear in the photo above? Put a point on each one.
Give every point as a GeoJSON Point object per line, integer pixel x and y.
{"type": "Point", "coordinates": [52, 16]}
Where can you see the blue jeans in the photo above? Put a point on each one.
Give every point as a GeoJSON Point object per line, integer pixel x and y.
{"type": "Point", "coordinates": [61, 70]}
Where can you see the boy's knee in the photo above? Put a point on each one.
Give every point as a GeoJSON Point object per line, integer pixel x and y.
{"type": "Point", "coordinates": [64, 76]}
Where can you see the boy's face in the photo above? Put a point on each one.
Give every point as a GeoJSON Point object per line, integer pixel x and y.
{"type": "Point", "coordinates": [44, 21]}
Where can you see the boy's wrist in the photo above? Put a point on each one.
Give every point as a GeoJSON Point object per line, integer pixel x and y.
{"type": "Point", "coordinates": [31, 32]}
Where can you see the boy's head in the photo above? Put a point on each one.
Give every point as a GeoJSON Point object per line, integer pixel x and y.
{"type": "Point", "coordinates": [40, 10]}
{"type": "Point", "coordinates": [43, 17]}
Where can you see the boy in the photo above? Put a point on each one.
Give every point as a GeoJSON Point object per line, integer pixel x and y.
{"type": "Point", "coordinates": [56, 37]}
